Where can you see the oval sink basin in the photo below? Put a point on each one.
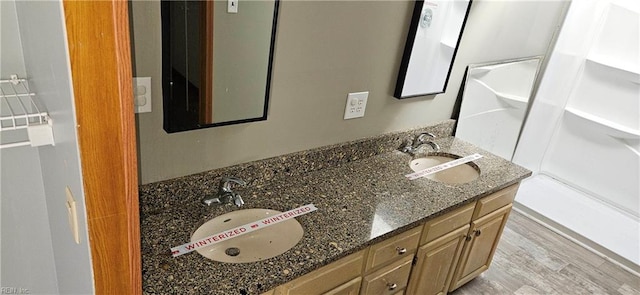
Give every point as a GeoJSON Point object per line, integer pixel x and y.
{"type": "Point", "coordinates": [254, 246]}
{"type": "Point", "coordinates": [456, 175]}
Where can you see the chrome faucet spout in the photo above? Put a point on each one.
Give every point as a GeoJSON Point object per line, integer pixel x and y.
{"type": "Point", "coordinates": [225, 194]}
{"type": "Point", "coordinates": [433, 145]}
{"type": "Point", "coordinates": [418, 141]}
{"type": "Point", "coordinates": [226, 182]}
{"type": "Point", "coordinates": [421, 139]}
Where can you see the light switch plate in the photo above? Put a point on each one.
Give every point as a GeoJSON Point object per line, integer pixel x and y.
{"type": "Point", "coordinates": [232, 6]}
{"type": "Point", "coordinates": [356, 105]}
{"type": "Point", "coordinates": [142, 94]}
{"type": "Point", "coordinates": [72, 213]}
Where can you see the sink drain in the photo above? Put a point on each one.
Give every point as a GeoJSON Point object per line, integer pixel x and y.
{"type": "Point", "coordinates": [233, 251]}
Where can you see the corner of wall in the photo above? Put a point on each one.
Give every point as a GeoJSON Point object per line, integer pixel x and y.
{"type": "Point", "coordinates": [49, 70]}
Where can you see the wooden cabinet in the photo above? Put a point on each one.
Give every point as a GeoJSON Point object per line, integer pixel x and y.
{"type": "Point", "coordinates": [489, 218]}
{"type": "Point", "coordinates": [435, 263]}
{"type": "Point", "coordinates": [389, 264]}
{"type": "Point", "coordinates": [350, 288]}
{"type": "Point", "coordinates": [447, 223]}
{"type": "Point", "coordinates": [483, 239]}
{"type": "Point", "coordinates": [402, 245]}
{"type": "Point", "coordinates": [388, 280]}
{"type": "Point", "coordinates": [459, 245]}
{"type": "Point", "coordinates": [436, 258]}
{"type": "Point", "coordinates": [327, 278]}
{"type": "Point", "coordinates": [442, 239]}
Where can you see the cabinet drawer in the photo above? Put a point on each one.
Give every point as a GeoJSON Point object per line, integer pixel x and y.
{"type": "Point", "coordinates": [446, 223]}
{"type": "Point", "coordinates": [326, 278]}
{"type": "Point", "coordinates": [404, 244]}
{"type": "Point", "coordinates": [496, 200]}
{"type": "Point", "coordinates": [350, 288]}
{"type": "Point", "coordinates": [388, 280]}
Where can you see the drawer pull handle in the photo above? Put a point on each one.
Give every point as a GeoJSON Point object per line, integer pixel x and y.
{"type": "Point", "coordinates": [392, 286]}
{"type": "Point", "coordinates": [401, 250]}
{"type": "Point", "coordinates": [478, 232]}
{"type": "Point", "coordinates": [468, 238]}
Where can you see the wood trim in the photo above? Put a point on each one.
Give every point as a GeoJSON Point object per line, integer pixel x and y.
{"type": "Point", "coordinates": [206, 66]}
{"type": "Point", "coordinates": [99, 49]}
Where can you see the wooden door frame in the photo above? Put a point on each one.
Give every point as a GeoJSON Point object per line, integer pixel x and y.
{"type": "Point", "coordinates": [100, 55]}
{"type": "Point", "coordinates": [206, 64]}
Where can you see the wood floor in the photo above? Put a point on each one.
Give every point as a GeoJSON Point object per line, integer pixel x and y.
{"type": "Point", "coordinates": [531, 259]}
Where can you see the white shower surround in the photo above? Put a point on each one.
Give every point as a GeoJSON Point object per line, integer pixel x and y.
{"type": "Point", "coordinates": [494, 104]}
{"type": "Point", "coordinates": [582, 136]}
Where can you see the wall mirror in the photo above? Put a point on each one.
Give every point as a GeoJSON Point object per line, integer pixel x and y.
{"type": "Point", "coordinates": [216, 62]}
{"type": "Point", "coordinates": [433, 39]}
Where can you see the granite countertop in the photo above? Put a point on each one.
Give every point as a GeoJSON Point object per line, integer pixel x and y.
{"type": "Point", "coordinates": [361, 200]}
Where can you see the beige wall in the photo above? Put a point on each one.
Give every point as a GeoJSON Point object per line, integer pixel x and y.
{"type": "Point", "coordinates": [325, 50]}
{"type": "Point", "coordinates": [240, 71]}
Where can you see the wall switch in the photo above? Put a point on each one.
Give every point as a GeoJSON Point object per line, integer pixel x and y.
{"type": "Point", "coordinates": [72, 213]}
{"type": "Point", "coordinates": [356, 104]}
{"type": "Point", "coordinates": [232, 6]}
{"type": "Point", "coordinates": [142, 94]}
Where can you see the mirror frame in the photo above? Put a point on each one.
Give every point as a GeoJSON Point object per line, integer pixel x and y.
{"type": "Point", "coordinates": [406, 56]}
{"type": "Point", "coordinates": [208, 68]}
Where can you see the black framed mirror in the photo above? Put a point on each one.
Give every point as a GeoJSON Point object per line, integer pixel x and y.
{"type": "Point", "coordinates": [216, 62]}
{"type": "Point", "coordinates": [434, 36]}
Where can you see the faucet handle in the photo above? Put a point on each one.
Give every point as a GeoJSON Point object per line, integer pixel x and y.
{"type": "Point", "coordinates": [237, 200]}
{"type": "Point", "coordinates": [405, 147]}
{"type": "Point", "coordinates": [225, 183]}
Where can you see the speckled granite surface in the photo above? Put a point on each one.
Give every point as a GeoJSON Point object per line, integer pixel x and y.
{"type": "Point", "coordinates": [360, 191]}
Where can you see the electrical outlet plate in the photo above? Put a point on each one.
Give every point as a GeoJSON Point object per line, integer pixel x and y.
{"type": "Point", "coordinates": [142, 94]}
{"type": "Point", "coordinates": [356, 105]}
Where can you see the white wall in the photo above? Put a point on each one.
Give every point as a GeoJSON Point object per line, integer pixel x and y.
{"type": "Point", "coordinates": [27, 253]}
{"type": "Point", "coordinates": [324, 50]}
{"type": "Point", "coordinates": [26, 249]}
{"type": "Point", "coordinates": [47, 62]}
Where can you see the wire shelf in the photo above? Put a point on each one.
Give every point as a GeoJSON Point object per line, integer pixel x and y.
{"type": "Point", "coordinates": [19, 109]}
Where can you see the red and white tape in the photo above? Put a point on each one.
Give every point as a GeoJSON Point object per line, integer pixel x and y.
{"type": "Point", "coordinates": [241, 230]}
{"type": "Point", "coordinates": [443, 166]}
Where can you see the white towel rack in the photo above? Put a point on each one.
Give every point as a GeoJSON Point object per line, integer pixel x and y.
{"type": "Point", "coordinates": [22, 116]}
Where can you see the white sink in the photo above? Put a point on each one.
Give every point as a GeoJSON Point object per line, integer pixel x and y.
{"type": "Point", "coordinates": [254, 246]}
{"type": "Point", "coordinates": [456, 175]}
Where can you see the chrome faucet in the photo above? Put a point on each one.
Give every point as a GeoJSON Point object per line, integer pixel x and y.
{"type": "Point", "coordinates": [225, 195]}
{"type": "Point", "coordinates": [419, 140]}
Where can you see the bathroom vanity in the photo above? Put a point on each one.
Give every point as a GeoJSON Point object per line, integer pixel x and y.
{"type": "Point", "coordinates": [374, 232]}
{"type": "Point", "coordinates": [435, 258]}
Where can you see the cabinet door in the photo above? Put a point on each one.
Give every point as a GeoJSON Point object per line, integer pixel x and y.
{"type": "Point", "coordinates": [436, 262]}
{"type": "Point", "coordinates": [483, 239]}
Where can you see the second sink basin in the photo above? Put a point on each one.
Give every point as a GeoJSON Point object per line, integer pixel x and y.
{"type": "Point", "coordinates": [456, 175]}
{"type": "Point", "coordinates": [254, 246]}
